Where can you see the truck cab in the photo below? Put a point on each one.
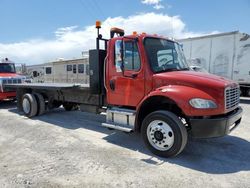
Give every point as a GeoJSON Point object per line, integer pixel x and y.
{"type": "Point", "coordinates": [8, 75]}
{"type": "Point", "coordinates": [164, 99]}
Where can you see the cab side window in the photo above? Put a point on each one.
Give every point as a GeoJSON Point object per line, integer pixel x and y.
{"type": "Point", "coordinates": [131, 56]}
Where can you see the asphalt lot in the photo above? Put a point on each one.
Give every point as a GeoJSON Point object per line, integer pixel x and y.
{"type": "Point", "coordinates": [70, 149]}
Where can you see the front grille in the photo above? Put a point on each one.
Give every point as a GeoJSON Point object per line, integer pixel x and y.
{"type": "Point", "coordinates": [232, 97]}
{"type": "Point", "coordinates": [11, 81]}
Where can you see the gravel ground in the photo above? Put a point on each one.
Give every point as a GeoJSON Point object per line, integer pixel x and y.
{"type": "Point", "coordinates": [70, 149]}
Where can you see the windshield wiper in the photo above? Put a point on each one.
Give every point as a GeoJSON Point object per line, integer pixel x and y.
{"type": "Point", "coordinates": [172, 69]}
{"type": "Point", "coordinates": [185, 69]}
{"type": "Point", "coordinates": [168, 70]}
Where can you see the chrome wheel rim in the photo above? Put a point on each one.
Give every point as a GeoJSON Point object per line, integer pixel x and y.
{"type": "Point", "coordinates": [26, 106]}
{"type": "Point", "coordinates": [160, 135]}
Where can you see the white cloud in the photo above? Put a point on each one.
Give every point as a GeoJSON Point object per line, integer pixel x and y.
{"type": "Point", "coordinates": [151, 2]}
{"type": "Point", "coordinates": [69, 42]}
{"type": "Point", "coordinates": [156, 3]}
{"type": "Point", "coordinates": [63, 30]}
{"type": "Point", "coordinates": [158, 6]}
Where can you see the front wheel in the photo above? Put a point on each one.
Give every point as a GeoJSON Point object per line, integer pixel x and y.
{"type": "Point", "coordinates": [164, 133]}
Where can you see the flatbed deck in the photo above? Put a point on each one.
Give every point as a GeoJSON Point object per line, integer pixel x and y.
{"type": "Point", "coordinates": [48, 86]}
{"type": "Point", "coordinates": [62, 92]}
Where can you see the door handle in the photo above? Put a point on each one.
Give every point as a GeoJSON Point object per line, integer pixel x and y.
{"type": "Point", "coordinates": [112, 84]}
{"type": "Point", "coordinates": [134, 75]}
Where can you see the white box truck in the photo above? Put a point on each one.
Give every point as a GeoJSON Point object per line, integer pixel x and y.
{"type": "Point", "coordinates": [224, 54]}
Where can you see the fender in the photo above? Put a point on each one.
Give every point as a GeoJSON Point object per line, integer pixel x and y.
{"type": "Point", "coordinates": [181, 96]}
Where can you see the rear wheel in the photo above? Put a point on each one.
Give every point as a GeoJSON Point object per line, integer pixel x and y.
{"type": "Point", "coordinates": [41, 104]}
{"type": "Point", "coordinates": [29, 105]}
{"type": "Point", "coordinates": [164, 133]}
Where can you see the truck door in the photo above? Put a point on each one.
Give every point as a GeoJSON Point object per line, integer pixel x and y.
{"type": "Point", "coordinates": [125, 85]}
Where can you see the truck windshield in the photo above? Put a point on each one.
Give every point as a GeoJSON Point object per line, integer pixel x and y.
{"type": "Point", "coordinates": [165, 55]}
{"type": "Point", "coordinates": [7, 68]}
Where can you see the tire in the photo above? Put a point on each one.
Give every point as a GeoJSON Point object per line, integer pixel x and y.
{"type": "Point", "coordinates": [41, 104]}
{"type": "Point", "coordinates": [164, 134]}
{"type": "Point", "coordinates": [29, 105]}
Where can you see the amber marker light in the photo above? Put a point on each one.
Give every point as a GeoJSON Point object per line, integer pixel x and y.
{"type": "Point", "coordinates": [134, 33]}
{"type": "Point", "coordinates": [98, 24]}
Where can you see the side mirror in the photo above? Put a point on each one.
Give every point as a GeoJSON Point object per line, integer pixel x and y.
{"type": "Point", "coordinates": [119, 55]}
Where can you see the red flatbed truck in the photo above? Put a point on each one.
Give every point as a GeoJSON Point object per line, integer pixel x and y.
{"type": "Point", "coordinates": [8, 75]}
{"type": "Point", "coordinates": [144, 84]}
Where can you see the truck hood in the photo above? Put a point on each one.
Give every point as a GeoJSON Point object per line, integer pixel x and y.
{"type": "Point", "coordinates": [198, 80]}
{"type": "Point", "coordinates": [9, 75]}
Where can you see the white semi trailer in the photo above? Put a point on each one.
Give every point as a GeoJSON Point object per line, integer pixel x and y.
{"type": "Point", "coordinates": [224, 54]}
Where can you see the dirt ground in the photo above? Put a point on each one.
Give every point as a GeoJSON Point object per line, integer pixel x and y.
{"type": "Point", "coordinates": [70, 149]}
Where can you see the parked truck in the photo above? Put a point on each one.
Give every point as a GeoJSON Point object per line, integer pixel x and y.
{"type": "Point", "coordinates": [224, 54]}
{"type": "Point", "coordinates": [8, 75]}
{"type": "Point", "coordinates": [143, 84]}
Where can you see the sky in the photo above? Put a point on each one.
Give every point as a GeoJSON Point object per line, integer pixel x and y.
{"type": "Point", "coordinates": [39, 31]}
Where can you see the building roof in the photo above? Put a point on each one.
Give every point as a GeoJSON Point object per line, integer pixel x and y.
{"type": "Point", "coordinates": [210, 35]}
{"type": "Point", "coordinates": [57, 62]}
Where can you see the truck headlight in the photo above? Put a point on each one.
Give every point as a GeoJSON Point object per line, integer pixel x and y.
{"type": "Point", "coordinates": [202, 103]}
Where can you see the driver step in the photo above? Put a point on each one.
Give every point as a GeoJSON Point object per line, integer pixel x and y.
{"type": "Point", "coordinates": [117, 127]}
